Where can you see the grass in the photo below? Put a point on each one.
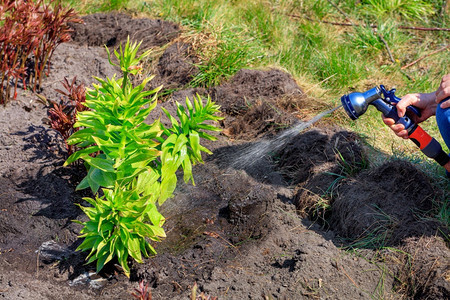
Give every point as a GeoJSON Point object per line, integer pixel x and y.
{"type": "Point", "coordinates": [326, 60]}
{"type": "Point", "coordinates": [376, 236]}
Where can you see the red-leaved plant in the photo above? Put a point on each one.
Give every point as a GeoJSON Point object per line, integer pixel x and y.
{"type": "Point", "coordinates": [143, 292]}
{"type": "Point", "coordinates": [62, 115]}
{"type": "Point", "coordinates": [30, 31]}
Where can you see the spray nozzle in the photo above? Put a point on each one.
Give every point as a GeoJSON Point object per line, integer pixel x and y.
{"type": "Point", "coordinates": [356, 104]}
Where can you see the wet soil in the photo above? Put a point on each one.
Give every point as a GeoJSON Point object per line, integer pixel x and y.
{"type": "Point", "coordinates": [278, 227]}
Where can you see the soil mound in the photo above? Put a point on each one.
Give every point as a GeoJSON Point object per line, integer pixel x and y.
{"type": "Point", "coordinates": [252, 99]}
{"type": "Point", "coordinates": [237, 95]}
{"type": "Point", "coordinates": [318, 151]}
{"type": "Point", "coordinates": [176, 67]}
{"type": "Point", "coordinates": [111, 29]}
{"type": "Point", "coordinates": [385, 202]}
{"type": "Point", "coordinates": [426, 268]}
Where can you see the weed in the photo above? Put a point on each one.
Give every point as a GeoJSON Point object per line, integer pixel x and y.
{"type": "Point", "coordinates": [351, 168]}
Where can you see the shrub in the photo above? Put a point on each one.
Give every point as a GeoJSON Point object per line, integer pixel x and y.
{"type": "Point", "coordinates": [30, 31]}
{"type": "Point", "coordinates": [137, 162]}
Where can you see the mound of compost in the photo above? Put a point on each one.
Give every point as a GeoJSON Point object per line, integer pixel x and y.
{"type": "Point", "coordinates": [238, 232]}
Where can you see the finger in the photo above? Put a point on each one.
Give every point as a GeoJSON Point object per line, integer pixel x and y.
{"type": "Point", "coordinates": [402, 134]}
{"type": "Point", "coordinates": [445, 104]}
{"type": "Point", "coordinates": [397, 128]}
{"type": "Point", "coordinates": [445, 80]}
{"type": "Point", "coordinates": [442, 93]}
{"type": "Point", "coordinates": [406, 101]}
{"type": "Point", "coordinates": [388, 121]}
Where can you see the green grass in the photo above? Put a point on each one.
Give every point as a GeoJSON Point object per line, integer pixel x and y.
{"type": "Point", "coordinates": [228, 57]}
{"type": "Point", "coordinates": [289, 34]}
{"type": "Point", "coordinates": [398, 9]}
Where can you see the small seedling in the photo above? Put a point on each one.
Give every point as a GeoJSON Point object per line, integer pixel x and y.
{"type": "Point", "coordinates": [62, 115]}
{"type": "Point", "coordinates": [142, 292]}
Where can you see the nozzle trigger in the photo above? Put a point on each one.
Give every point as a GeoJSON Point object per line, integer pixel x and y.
{"type": "Point", "coordinates": [389, 96]}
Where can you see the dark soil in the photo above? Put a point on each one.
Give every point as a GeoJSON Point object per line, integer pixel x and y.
{"type": "Point", "coordinates": [176, 67]}
{"type": "Point", "coordinates": [254, 226]}
{"type": "Point", "coordinates": [112, 29]}
{"type": "Point", "coordinates": [362, 207]}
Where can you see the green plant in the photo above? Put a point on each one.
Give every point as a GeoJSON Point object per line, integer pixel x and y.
{"type": "Point", "coordinates": [137, 162]}
{"type": "Point", "coordinates": [351, 168]}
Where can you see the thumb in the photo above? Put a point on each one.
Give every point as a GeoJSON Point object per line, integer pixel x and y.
{"type": "Point", "coordinates": [403, 104]}
{"type": "Point", "coordinates": [401, 109]}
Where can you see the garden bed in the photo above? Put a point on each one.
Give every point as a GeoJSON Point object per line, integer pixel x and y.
{"type": "Point", "coordinates": [245, 230]}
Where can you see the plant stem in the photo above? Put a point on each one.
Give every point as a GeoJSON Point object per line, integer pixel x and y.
{"type": "Point", "coordinates": [125, 82]}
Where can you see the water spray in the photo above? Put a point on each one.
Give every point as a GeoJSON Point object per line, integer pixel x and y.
{"type": "Point", "coordinates": [356, 104]}
{"type": "Point", "coordinates": [254, 153]}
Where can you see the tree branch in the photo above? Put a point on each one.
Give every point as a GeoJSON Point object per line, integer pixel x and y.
{"type": "Point", "coordinates": [387, 47]}
{"type": "Point", "coordinates": [425, 56]}
{"type": "Point", "coordinates": [341, 11]}
{"type": "Point", "coordinates": [371, 25]}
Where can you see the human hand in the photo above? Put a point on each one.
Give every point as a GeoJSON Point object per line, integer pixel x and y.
{"type": "Point", "coordinates": [444, 92]}
{"type": "Point", "coordinates": [424, 102]}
